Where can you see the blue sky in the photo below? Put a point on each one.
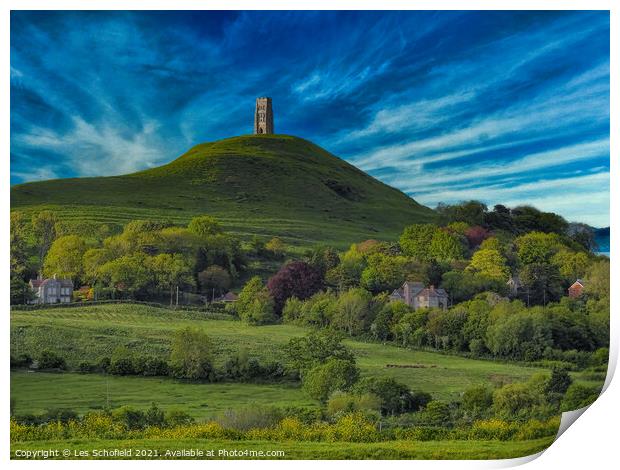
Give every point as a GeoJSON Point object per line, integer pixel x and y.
{"type": "Point", "coordinates": [503, 107]}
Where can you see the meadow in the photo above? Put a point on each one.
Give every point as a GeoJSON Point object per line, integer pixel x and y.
{"type": "Point", "coordinates": [88, 333]}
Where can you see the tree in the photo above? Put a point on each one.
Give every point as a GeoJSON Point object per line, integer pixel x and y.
{"type": "Point", "coordinates": [559, 382]}
{"type": "Point", "coordinates": [571, 265]}
{"type": "Point", "coordinates": [436, 413]}
{"type": "Point", "coordinates": [18, 245]}
{"type": "Point", "coordinates": [530, 219]}
{"type": "Point", "coordinates": [93, 260]}
{"type": "Point", "coordinates": [516, 400]}
{"type": "Point", "coordinates": [476, 235]}
{"type": "Point", "coordinates": [276, 247]}
{"type": "Point", "coordinates": [395, 397]}
{"type": "Point", "coordinates": [597, 279]}
{"type": "Point", "coordinates": [323, 258]}
{"type": "Point", "coordinates": [416, 239]}
{"type": "Point", "coordinates": [537, 247]}
{"type": "Point", "coordinates": [21, 293]}
{"type": "Point", "coordinates": [477, 400]}
{"type": "Point", "coordinates": [255, 304]}
{"type": "Point", "coordinates": [65, 258]}
{"type": "Point", "coordinates": [316, 348]}
{"type": "Point", "coordinates": [44, 229]}
{"type": "Point", "coordinates": [352, 311]}
{"type": "Point", "coordinates": [191, 354]}
{"type": "Point", "coordinates": [384, 273]}
{"type": "Point", "coordinates": [296, 279]}
{"type": "Point", "coordinates": [214, 278]}
{"type": "Point", "coordinates": [323, 380]}
{"type": "Point", "coordinates": [128, 273]}
{"type": "Point", "coordinates": [171, 271]}
{"type": "Point", "coordinates": [470, 212]}
{"type": "Point", "coordinates": [204, 226]}
{"type": "Point", "coordinates": [446, 246]}
{"type": "Point", "coordinates": [579, 396]}
{"type": "Point", "coordinates": [490, 263]}
{"type": "Point", "coordinates": [542, 283]}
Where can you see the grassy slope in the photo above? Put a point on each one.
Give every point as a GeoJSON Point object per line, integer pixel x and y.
{"type": "Point", "coordinates": [436, 450]}
{"type": "Point", "coordinates": [270, 185]}
{"type": "Point", "coordinates": [91, 332]}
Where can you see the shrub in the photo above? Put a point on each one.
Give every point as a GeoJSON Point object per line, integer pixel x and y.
{"type": "Point", "coordinates": [104, 364]}
{"type": "Point", "coordinates": [559, 381]}
{"type": "Point", "coordinates": [316, 348]}
{"type": "Point", "coordinates": [129, 418]}
{"type": "Point", "coordinates": [121, 362]}
{"type": "Point", "coordinates": [250, 417]}
{"type": "Point", "coordinates": [493, 429]}
{"type": "Point", "coordinates": [50, 360]}
{"type": "Point", "coordinates": [341, 403]}
{"type": "Point", "coordinates": [436, 413]}
{"type": "Point", "coordinates": [151, 366]}
{"type": "Point", "coordinates": [534, 429]}
{"type": "Point", "coordinates": [579, 396]}
{"type": "Point", "coordinates": [86, 367]}
{"type": "Point", "coordinates": [516, 400]}
{"type": "Point", "coordinates": [394, 397]}
{"type": "Point", "coordinates": [23, 360]}
{"type": "Point", "coordinates": [177, 418]}
{"type": "Point", "coordinates": [477, 400]}
{"type": "Point", "coordinates": [336, 374]}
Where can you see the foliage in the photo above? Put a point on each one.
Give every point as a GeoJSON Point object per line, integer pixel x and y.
{"type": "Point", "coordinates": [334, 375]}
{"type": "Point", "coordinates": [352, 311]}
{"type": "Point", "coordinates": [255, 304]}
{"type": "Point", "coordinates": [578, 396]}
{"type": "Point", "coordinates": [297, 279]}
{"type": "Point", "coordinates": [191, 354]}
{"type": "Point", "coordinates": [305, 353]}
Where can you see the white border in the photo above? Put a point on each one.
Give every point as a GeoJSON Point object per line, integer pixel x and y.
{"type": "Point", "coordinates": [590, 443]}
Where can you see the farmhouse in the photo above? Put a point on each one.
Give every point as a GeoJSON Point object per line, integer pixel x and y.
{"type": "Point", "coordinates": [52, 291]}
{"type": "Point", "coordinates": [416, 295]}
{"type": "Point", "coordinates": [576, 289]}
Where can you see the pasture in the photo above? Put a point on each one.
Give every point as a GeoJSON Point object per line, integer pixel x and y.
{"type": "Point", "coordinates": [88, 333]}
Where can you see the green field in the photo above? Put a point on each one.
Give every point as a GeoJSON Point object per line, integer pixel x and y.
{"type": "Point", "coordinates": [87, 333]}
{"type": "Point", "coordinates": [35, 392]}
{"type": "Point", "coordinates": [435, 450]}
{"type": "Point", "coordinates": [267, 185]}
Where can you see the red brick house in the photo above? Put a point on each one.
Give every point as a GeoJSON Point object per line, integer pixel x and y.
{"type": "Point", "coordinates": [576, 289]}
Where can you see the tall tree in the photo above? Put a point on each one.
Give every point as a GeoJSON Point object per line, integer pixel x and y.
{"type": "Point", "coordinates": [44, 229]}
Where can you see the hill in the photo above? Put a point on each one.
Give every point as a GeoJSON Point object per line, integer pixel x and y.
{"type": "Point", "coordinates": [267, 185]}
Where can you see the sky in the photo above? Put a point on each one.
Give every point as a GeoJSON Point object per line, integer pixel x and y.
{"type": "Point", "coordinates": [503, 107]}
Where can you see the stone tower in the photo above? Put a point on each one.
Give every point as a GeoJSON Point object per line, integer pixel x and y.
{"type": "Point", "coordinates": [263, 116]}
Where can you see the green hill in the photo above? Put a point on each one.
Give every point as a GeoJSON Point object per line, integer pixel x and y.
{"type": "Point", "coordinates": [267, 185]}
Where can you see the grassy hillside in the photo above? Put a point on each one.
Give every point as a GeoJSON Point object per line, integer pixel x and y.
{"type": "Point", "coordinates": [269, 185]}
{"type": "Point", "coordinates": [88, 333]}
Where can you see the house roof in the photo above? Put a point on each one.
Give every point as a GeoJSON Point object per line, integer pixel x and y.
{"type": "Point", "coordinates": [432, 292]}
{"type": "Point", "coordinates": [43, 282]}
{"type": "Point", "coordinates": [578, 281]}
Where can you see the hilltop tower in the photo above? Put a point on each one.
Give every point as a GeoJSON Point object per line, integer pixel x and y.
{"type": "Point", "coordinates": [263, 116]}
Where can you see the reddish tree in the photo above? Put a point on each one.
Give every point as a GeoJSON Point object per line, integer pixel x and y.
{"type": "Point", "coordinates": [476, 235]}
{"type": "Point", "coordinates": [296, 279]}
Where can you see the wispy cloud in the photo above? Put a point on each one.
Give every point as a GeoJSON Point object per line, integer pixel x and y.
{"type": "Point", "coordinates": [508, 107]}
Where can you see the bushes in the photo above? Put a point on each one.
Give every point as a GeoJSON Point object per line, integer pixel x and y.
{"type": "Point", "coordinates": [395, 398]}
{"type": "Point", "coordinates": [579, 396]}
{"type": "Point", "coordinates": [50, 360]}
{"type": "Point", "coordinates": [336, 374]}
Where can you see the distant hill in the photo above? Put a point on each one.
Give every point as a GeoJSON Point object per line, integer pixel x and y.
{"type": "Point", "coordinates": [266, 185]}
{"type": "Point", "coordinates": [601, 235]}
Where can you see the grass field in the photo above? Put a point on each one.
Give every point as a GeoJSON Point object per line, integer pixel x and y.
{"type": "Point", "coordinates": [35, 392]}
{"type": "Point", "coordinates": [266, 185]}
{"type": "Point", "coordinates": [87, 333]}
{"type": "Point", "coordinates": [437, 450]}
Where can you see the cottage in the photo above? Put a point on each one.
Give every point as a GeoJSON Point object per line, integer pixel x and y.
{"type": "Point", "coordinates": [416, 295]}
{"type": "Point", "coordinates": [514, 284]}
{"type": "Point", "coordinates": [576, 290]}
{"type": "Point", "coordinates": [52, 291]}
